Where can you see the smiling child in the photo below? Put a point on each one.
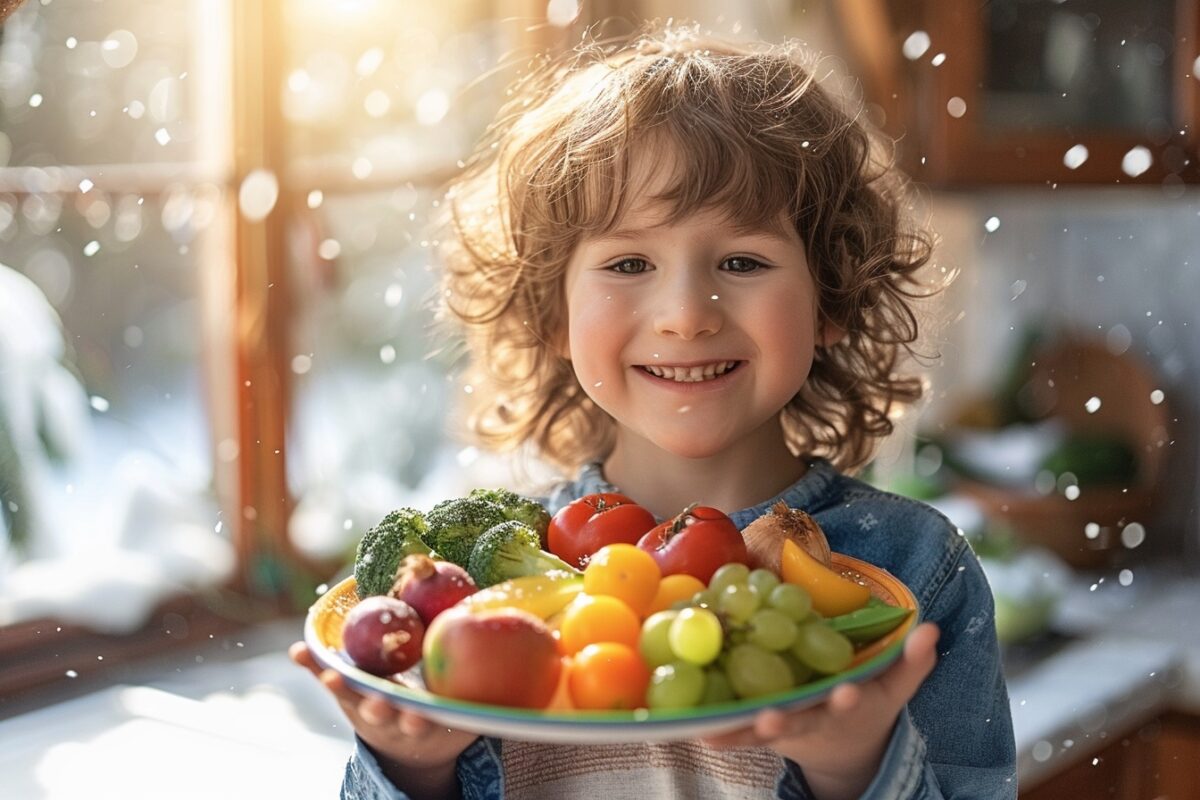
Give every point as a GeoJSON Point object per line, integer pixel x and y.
{"type": "Point", "coordinates": [684, 270]}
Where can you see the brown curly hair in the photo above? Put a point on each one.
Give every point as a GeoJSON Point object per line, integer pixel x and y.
{"type": "Point", "coordinates": [760, 137]}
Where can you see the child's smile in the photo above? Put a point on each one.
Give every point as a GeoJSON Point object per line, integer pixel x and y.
{"type": "Point", "coordinates": [706, 372]}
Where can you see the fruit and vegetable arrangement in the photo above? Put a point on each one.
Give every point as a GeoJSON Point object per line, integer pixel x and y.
{"type": "Point", "coordinates": [600, 607]}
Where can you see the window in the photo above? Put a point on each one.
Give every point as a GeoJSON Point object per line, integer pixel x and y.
{"type": "Point", "coordinates": [212, 320]}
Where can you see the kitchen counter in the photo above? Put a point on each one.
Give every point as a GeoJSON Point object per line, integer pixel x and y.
{"type": "Point", "coordinates": [1129, 652]}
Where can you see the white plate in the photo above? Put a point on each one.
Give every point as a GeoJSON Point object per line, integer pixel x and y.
{"type": "Point", "coordinates": [322, 632]}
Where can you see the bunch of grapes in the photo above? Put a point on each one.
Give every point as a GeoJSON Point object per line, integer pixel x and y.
{"type": "Point", "coordinates": [746, 635]}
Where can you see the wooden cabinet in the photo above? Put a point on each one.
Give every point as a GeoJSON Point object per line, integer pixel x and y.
{"type": "Point", "coordinates": [1158, 761]}
{"type": "Point", "coordinates": [1033, 91]}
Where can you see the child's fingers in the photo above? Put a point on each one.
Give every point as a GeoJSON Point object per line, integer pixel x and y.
{"type": "Point", "coordinates": [337, 686]}
{"type": "Point", "coordinates": [414, 725]}
{"type": "Point", "coordinates": [377, 711]}
{"type": "Point", "coordinates": [300, 654]}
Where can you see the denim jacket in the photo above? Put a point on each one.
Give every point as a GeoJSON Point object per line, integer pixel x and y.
{"type": "Point", "coordinates": [955, 738]}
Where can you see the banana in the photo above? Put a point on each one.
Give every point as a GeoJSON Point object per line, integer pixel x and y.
{"type": "Point", "coordinates": [541, 595]}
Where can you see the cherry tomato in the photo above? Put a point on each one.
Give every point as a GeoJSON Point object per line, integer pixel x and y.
{"type": "Point", "coordinates": [625, 572]}
{"type": "Point", "coordinates": [608, 675]}
{"type": "Point", "coordinates": [695, 543]}
{"type": "Point", "coordinates": [583, 526]}
{"type": "Point", "coordinates": [597, 618]}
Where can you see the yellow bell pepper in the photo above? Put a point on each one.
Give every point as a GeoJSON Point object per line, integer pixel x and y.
{"type": "Point", "coordinates": [832, 594]}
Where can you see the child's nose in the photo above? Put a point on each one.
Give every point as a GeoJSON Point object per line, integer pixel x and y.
{"type": "Point", "coordinates": [688, 312]}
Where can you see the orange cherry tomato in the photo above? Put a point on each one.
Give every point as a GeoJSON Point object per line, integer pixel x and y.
{"type": "Point", "coordinates": [597, 618]}
{"type": "Point", "coordinates": [672, 589]}
{"type": "Point", "coordinates": [608, 675]}
{"type": "Point", "coordinates": [625, 572]}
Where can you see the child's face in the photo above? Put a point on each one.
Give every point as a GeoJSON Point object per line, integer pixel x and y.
{"type": "Point", "coordinates": [692, 336]}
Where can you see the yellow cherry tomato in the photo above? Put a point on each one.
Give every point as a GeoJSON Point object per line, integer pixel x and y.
{"type": "Point", "coordinates": [672, 589]}
{"type": "Point", "coordinates": [625, 572]}
{"type": "Point", "coordinates": [597, 618]}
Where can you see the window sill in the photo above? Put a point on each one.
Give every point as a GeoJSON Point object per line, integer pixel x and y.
{"type": "Point", "coordinates": [45, 660]}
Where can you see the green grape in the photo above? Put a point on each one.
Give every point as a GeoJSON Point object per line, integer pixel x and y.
{"type": "Point", "coordinates": [695, 635]}
{"type": "Point", "coordinates": [675, 685]}
{"type": "Point", "coordinates": [771, 629]}
{"type": "Point", "coordinates": [801, 674]}
{"type": "Point", "coordinates": [705, 597]}
{"type": "Point", "coordinates": [716, 687]}
{"type": "Point", "coordinates": [730, 574]}
{"type": "Point", "coordinates": [822, 648]}
{"type": "Point", "coordinates": [763, 581]}
{"type": "Point", "coordinates": [753, 671]}
{"type": "Point", "coordinates": [653, 642]}
{"type": "Point", "coordinates": [738, 602]}
{"type": "Point", "coordinates": [791, 600]}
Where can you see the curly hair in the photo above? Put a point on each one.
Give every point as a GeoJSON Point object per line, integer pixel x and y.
{"type": "Point", "coordinates": [761, 139]}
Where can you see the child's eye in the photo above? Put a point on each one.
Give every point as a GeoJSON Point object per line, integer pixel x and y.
{"type": "Point", "coordinates": [742, 264]}
{"type": "Point", "coordinates": [629, 266]}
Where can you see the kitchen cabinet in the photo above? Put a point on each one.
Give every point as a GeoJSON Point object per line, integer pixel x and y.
{"type": "Point", "coordinates": [1033, 91]}
{"type": "Point", "coordinates": [1155, 762]}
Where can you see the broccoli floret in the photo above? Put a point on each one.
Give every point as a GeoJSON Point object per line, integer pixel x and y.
{"type": "Point", "coordinates": [511, 550]}
{"type": "Point", "coordinates": [516, 507]}
{"type": "Point", "coordinates": [382, 548]}
{"type": "Point", "coordinates": [454, 525]}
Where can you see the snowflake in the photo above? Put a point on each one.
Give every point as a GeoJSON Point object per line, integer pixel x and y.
{"type": "Point", "coordinates": [868, 522]}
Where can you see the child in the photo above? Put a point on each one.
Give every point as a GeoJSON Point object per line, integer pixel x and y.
{"type": "Point", "coordinates": [683, 272]}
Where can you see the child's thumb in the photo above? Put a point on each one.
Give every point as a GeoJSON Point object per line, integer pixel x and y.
{"type": "Point", "coordinates": [920, 656]}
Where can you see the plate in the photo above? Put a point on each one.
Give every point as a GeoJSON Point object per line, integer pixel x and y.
{"type": "Point", "coordinates": [323, 633]}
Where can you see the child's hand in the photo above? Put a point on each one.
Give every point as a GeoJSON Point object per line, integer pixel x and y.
{"type": "Point", "coordinates": [840, 743]}
{"type": "Point", "coordinates": [411, 749]}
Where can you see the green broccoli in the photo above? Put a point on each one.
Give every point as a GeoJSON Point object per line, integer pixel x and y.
{"type": "Point", "coordinates": [516, 507]}
{"type": "Point", "coordinates": [511, 550]}
{"type": "Point", "coordinates": [454, 525]}
{"type": "Point", "coordinates": [382, 548]}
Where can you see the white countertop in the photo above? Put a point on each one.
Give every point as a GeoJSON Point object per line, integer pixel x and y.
{"type": "Point", "coordinates": [1136, 653]}
{"type": "Point", "coordinates": [222, 726]}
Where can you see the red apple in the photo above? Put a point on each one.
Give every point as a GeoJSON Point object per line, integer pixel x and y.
{"type": "Point", "coordinates": [431, 586]}
{"type": "Point", "coordinates": [503, 656]}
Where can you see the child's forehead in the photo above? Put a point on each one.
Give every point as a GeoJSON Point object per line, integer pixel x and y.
{"type": "Point", "coordinates": [656, 168]}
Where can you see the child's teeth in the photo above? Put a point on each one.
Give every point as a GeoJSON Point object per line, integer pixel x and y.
{"type": "Point", "coordinates": [691, 374]}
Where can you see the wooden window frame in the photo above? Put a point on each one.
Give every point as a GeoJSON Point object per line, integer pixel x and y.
{"type": "Point", "coordinates": [940, 150]}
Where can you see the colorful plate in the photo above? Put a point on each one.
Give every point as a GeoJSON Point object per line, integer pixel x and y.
{"type": "Point", "coordinates": [323, 633]}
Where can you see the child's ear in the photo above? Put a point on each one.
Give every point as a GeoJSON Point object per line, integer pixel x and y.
{"type": "Point", "coordinates": [829, 334]}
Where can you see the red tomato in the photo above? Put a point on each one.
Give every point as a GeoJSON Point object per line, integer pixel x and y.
{"type": "Point", "coordinates": [698, 541]}
{"type": "Point", "coordinates": [583, 526]}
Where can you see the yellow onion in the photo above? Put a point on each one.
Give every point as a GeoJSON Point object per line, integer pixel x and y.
{"type": "Point", "coordinates": [766, 535]}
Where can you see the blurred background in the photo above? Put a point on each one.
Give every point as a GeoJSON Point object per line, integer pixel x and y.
{"type": "Point", "coordinates": [216, 371]}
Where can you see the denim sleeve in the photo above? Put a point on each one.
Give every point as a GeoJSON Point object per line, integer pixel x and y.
{"type": "Point", "coordinates": [955, 738]}
{"type": "Point", "coordinates": [479, 774]}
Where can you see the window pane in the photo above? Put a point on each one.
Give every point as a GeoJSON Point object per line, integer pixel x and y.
{"type": "Point", "coordinates": [100, 83]}
{"type": "Point", "coordinates": [106, 473]}
{"type": "Point", "coordinates": [1099, 65]}
{"type": "Point", "coordinates": [369, 401]}
{"type": "Point", "coordinates": [376, 87]}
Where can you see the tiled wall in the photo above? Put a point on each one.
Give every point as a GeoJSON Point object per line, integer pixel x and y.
{"type": "Point", "coordinates": [1123, 264]}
